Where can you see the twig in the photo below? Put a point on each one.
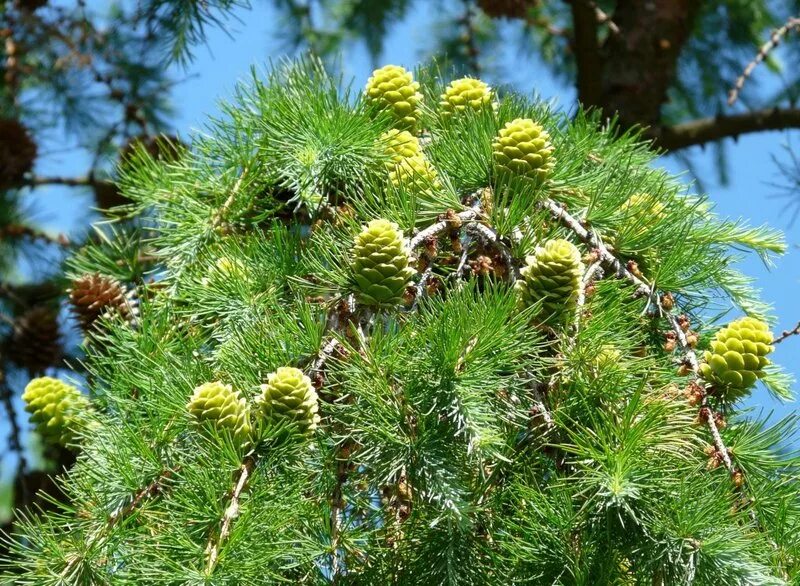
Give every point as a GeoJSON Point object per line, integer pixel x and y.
{"type": "Point", "coordinates": [441, 226]}
{"type": "Point", "coordinates": [324, 354]}
{"type": "Point", "coordinates": [591, 239]}
{"type": "Point", "coordinates": [145, 493]}
{"type": "Point", "coordinates": [594, 269]}
{"type": "Point", "coordinates": [489, 236]}
{"type": "Point", "coordinates": [787, 334]}
{"type": "Point", "coordinates": [220, 215]}
{"type": "Point", "coordinates": [336, 519]}
{"type": "Point", "coordinates": [421, 287]}
{"type": "Point", "coordinates": [227, 518]}
{"type": "Point", "coordinates": [774, 40]}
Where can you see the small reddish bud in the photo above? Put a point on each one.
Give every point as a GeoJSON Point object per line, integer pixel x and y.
{"type": "Point", "coordinates": [667, 301]}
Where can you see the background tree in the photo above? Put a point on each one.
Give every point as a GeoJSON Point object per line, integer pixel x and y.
{"type": "Point", "coordinates": [417, 334]}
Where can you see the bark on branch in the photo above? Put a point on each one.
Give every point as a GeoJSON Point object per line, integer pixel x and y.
{"type": "Point", "coordinates": [704, 130]}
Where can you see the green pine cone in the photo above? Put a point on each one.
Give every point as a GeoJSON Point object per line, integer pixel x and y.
{"type": "Point", "coordinates": [464, 93]}
{"type": "Point", "coordinates": [393, 87]}
{"type": "Point", "coordinates": [640, 213]}
{"type": "Point", "coordinates": [552, 276]}
{"type": "Point", "coordinates": [522, 148]}
{"type": "Point", "coordinates": [380, 264]}
{"type": "Point", "coordinates": [737, 357]}
{"type": "Point", "coordinates": [400, 145]}
{"type": "Point", "coordinates": [224, 408]}
{"type": "Point", "coordinates": [55, 408]}
{"type": "Point", "coordinates": [290, 395]}
{"type": "Point", "coordinates": [415, 174]}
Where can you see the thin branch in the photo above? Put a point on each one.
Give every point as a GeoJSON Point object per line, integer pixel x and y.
{"type": "Point", "coordinates": [140, 497]}
{"type": "Point", "coordinates": [774, 40]}
{"type": "Point", "coordinates": [705, 130]}
{"type": "Point", "coordinates": [324, 354]}
{"type": "Point", "coordinates": [594, 270]}
{"type": "Point", "coordinates": [14, 432]}
{"type": "Point", "coordinates": [489, 236]}
{"type": "Point", "coordinates": [336, 519]}
{"type": "Point", "coordinates": [19, 231]}
{"type": "Point", "coordinates": [230, 514]}
{"type": "Point", "coordinates": [439, 227]}
{"type": "Point", "coordinates": [421, 287]}
{"type": "Point", "coordinates": [85, 181]}
{"type": "Point", "coordinates": [787, 334]}
{"type": "Point", "coordinates": [220, 215]}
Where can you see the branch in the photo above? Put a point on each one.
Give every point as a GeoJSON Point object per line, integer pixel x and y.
{"type": "Point", "coordinates": [227, 518]}
{"type": "Point", "coordinates": [586, 47]}
{"type": "Point", "coordinates": [774, 40]}
{"type": "Point", "coordinates": [69, 181]}
{"type": "Point", "coordinates": [14, 432]}
{"type": "Point", "coordinates": [787, 334]}
{"type": "Point", "coordinates": [441, 226]}
{"type": "Point", "coordinates": [592, 240]}
{"type": "Point", "coordinates": [704, 130]}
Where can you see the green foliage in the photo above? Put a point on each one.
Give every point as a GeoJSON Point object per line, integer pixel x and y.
{"type": "Point", "coordinates": [451, 438]}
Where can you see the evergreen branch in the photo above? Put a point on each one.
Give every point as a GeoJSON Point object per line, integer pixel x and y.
{"type": "Point", "coordinates": [231, 512]}
{"type": "Point", "coordinates": [787, 334]}
{"type": "Point", "coordinates": [592, 240]}
{"type": "Point", "coordinates": [774, 40]}
{"type": "Point", "coordinates": [704, 130]}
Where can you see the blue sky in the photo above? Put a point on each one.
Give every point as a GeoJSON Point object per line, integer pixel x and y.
{"type": "Point", "coordinates": [254, 38]}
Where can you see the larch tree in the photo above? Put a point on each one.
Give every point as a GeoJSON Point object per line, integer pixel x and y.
{"type": "Point", "coordinates": [421, 333]}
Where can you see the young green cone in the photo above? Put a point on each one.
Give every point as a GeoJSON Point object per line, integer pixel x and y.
{"type": "Point", "coordinates": [464, 93]}
{"type": "Point", "coordinates": [737, 357]}
{"type": "Point", "coordinates": [221, 406]}
{"type": "Point", "coordinates": [393, 88]}
{"type": "Point", "coordinates": [289, 394]}
{"type": "Point", "coordinates": [415, 174]}
{"type": "Point", "coordinates": [380, 264]}
{"type": "Point", "coordinates": [552, 276]}
{"type": "Point", "coordinates": [522, 148]}
{"type": "Point", "coordinates": [55, 407]}
{"type": "Point", "coordinates": [400, 145]}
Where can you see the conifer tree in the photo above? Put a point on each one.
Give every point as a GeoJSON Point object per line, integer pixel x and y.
{"type": "Point", "coordinates": [334, 377]}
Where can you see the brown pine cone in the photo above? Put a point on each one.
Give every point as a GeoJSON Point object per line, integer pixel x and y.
{"type": "Point", "coordinates": [92, 296]}
{"type": "Point", "coordinates": [36, 339]}
{"type": "Point", "coordinates": [17, 153]}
